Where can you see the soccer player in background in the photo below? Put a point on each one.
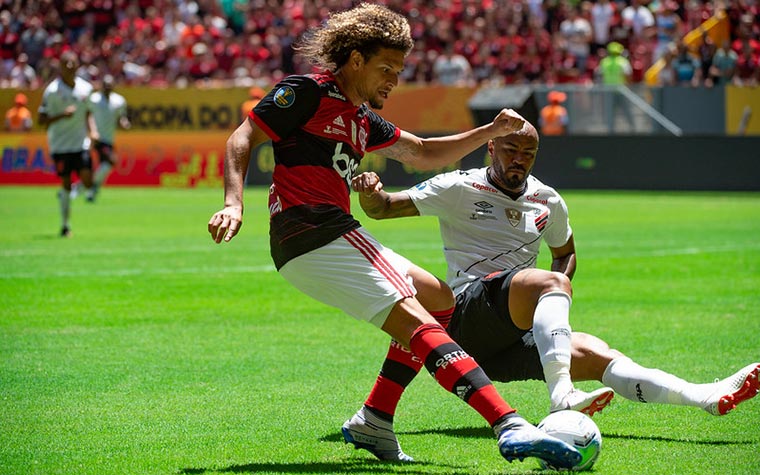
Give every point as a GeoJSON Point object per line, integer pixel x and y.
{"type": "Point", "coordinates": [320, 126]}
{"type": "Point", "coordinates": [492, 221]}
{"type": "Point", "coordinates": [108, 111]}
{"type": "Point", "coordinates": [64, 112]}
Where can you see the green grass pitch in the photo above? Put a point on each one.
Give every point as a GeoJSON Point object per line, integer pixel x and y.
{"type": "Point", "coordinates": [138, 346]}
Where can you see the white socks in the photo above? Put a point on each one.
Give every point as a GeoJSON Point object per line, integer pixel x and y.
{"type": "Point", "coordinates": [551, 332]}
{"type": "Point", "coordinates": [63, 199]}
{"type": "Point", "coordinates": [634, 382]}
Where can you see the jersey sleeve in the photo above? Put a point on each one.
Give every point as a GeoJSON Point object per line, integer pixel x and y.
{"type": "Point", "coordinates": [382, 133]}
{"type": "Point", "coordinates": [559, 231]}
{"type": "Point", "coordinates": [287, 107]}
{"type": "Point", "coordinates": [438, 195]}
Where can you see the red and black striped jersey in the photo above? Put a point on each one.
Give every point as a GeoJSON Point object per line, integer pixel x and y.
{"type": "Point", "coordinates": [319, 138]}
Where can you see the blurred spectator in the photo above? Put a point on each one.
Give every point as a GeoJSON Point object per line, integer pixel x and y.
{"type": "Point", "coordinates": [18, 118]}
{"type": "Point", "coordinates": [639, 22]}
{"type": "Point", "coordinates": [452, 69]}
{"type": "Point", "coordinates": [747, 67]}
{"type": "Point", "coordinates": [576, 32]}
{"type": "Point", "coordinates": [21, 75]}
{"type": "Point", "coordinates": [553, 118]}
{"type": "Point", "coordinates": [143, 42]}
{"type": "Point", "coordinates": [723, 64]}
{"type": "Point", "coordinates": [602, 16]}
{"type": "Point", "coordinates": [706, 52]}
{"type": "Point", "coordinates": [615, 70]}
{"type": "Point", "coordinates": [668, 25]}
{"type": "Point", "coordinates": [255, 94]}
{"type": "Point", "coordinates": [667, 74]}
{"type": "Point", "coordinates": [9, 39]}
{"type": "Point", "coordinates": [687, 67]}
{"type": "Point", "coordinates": [33, 41]}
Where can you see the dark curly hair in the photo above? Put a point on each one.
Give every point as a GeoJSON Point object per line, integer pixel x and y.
{"type": "Point", "coordinates": [365, 28]}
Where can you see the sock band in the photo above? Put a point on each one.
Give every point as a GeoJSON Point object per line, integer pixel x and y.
{"type": "Point", "coordinates": [458, 372]}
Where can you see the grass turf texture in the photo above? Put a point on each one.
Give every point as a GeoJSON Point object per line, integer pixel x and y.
{"type": "Point", "coordinates": [138, 346]}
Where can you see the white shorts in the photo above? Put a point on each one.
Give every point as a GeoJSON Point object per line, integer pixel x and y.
{"type": "Point", "coordinates": [354, 273]}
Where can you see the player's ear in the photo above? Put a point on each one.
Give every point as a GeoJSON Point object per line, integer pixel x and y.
{"type": "Point", "coordinates": [356, 59]}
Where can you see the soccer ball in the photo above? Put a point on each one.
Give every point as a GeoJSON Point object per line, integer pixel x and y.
{"type": "Point", "coordinates": [576, 429]}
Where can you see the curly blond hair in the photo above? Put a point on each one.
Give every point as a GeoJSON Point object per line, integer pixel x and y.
{"type": "Point", "coordinates": [365, 28]}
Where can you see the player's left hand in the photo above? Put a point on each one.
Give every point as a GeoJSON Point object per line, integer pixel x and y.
{"type": "Point", "coordinates": [225, 224]}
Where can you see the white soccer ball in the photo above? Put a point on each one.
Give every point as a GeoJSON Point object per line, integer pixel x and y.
{"type": "Point", "coordinates": [578, 430]}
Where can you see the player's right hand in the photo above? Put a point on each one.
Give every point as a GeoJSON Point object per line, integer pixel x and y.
{"type": "Point", "coordinates": [225, 224]}
{"type": "Point", "coordinates": [367, 183]}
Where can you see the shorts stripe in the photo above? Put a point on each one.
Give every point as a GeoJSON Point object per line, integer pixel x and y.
{"type": "Point", "coordinates": [378, 262]}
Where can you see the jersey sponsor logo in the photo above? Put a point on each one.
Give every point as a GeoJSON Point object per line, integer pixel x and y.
{"type": "Point", "coordinates": [541, 221]}
{"type": "Point", "coordinates": [423, 185]}
{"type": "Point", "coordinates": [482, 187]}
{"type": "Point", "coordinates": [450, 358]}
{"type": "Point", "coordinates": [339, 121]}
{"type": "Point", "coordinates": [483, 204]}
{"type": "Point", "coordinates": [535, 199]}
{"type": "Point", "coordinates": [284, 97]}
{"type": "Point", "coordinates": [344, 164]}
{"type": "Point", "coordinates": [513, 216]}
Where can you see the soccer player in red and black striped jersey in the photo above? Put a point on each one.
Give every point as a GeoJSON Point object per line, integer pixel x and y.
{"type": "Point", "coordinates": [320, 126]}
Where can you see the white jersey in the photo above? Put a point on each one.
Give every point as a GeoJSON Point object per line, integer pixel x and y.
{"type": "Point", "coordinates": [70, 133]}
{"type": "Point", "coordinates": [107, 111]}
{"type": "Point", "coordinates": [484, 230]}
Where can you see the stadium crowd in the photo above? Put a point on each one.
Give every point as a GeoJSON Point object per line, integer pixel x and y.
{"type": "Point", "coordinates": [458, 42]}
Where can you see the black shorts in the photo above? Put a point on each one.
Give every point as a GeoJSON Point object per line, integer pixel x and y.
{"type": "Point", "coordinates": [482, 326]}
{"type": "Point", "coordinates": [105, 152]}
{"type": "Point", "coordinates": [65, 163]}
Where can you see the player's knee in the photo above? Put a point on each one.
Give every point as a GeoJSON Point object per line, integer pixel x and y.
{"type": "Point", "coordinates": [557, 282]}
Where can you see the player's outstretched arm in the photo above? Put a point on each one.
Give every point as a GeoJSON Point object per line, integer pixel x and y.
{"type": "Point", "coordinates": [438, 152]}
{"type": "Point", "coordinates": [378, 203]}
{"type": "Point", "coordinates": [225, 224]}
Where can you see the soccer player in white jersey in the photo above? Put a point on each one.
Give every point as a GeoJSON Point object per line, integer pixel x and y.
{"type": "Point", "coordinates": [109, 111]}
{"type": "Point", "coordinates": [492, 223]}
{"type": "Point", "coordinates": [64, 111]}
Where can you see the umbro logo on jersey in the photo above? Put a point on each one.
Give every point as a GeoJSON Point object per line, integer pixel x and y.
{"type": "Point", "coordinates": [483, 204]}
{"type": "Point", "coordinates": [513, 216]}
{"type": "Point", "coordinates": [339, 122]}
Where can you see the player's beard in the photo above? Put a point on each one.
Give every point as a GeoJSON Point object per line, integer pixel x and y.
{"type": "Point", "coordinates": [515, 181]}
{"type": "Point", "coordinates": [375, 104]}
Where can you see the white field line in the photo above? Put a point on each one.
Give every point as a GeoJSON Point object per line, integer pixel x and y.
{"type": "Point", "coordinates": [139, 272]}
{"type": "Point", "coordinates": [106, 251]}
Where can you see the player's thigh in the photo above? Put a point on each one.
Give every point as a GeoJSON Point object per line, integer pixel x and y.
{"type": "Point", "coordinates": [527, 286]}
{"type": "Point", "coordinates": [354, 273]}
{"type": "Point", "coordinates": [433, 293]}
